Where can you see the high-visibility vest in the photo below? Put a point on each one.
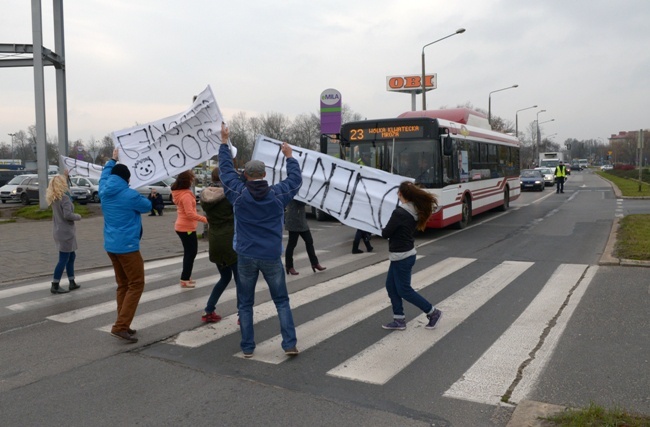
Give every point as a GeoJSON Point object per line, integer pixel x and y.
{"type": "Point", "coordinates": [560, 171]}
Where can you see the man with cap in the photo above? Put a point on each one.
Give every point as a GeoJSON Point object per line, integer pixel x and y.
{"type": "Point", "coordinates": [259, 217]}
{"type": "Point", "coordinates": [122, 208]}
{"type": "Point", "coordinates": [560, 176]}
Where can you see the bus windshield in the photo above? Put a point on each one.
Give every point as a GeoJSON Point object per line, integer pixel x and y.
{"type": "Point", "coordinates": [410, 158]}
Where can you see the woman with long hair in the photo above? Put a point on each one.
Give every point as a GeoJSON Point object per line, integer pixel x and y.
{"type": "Point", "coordinates": [64, 232]}
{"type": "Point", "coordinates": [413, 212]}
{"type": "Point", "coordinates": [186, 223]}
{"type": "Point", "coordinates": [221, 231]}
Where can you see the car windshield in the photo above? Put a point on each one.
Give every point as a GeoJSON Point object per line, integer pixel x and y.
{"type": "Point", "coordinates": [169, 181]}
{"type": "Point", "coordinates": [93, 181]}
{"type": "Point", "coordinates": [16, 180]}
{"type": "Point", "coordinates": [545, 171]}
{"type": "Point", "coordinates": [529, 174]}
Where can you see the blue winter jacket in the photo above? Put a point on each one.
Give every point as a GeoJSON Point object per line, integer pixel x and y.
{"type": "Point", "coordinates": [258, 207]}
{"type": "Point", "coordinates": [122, 207]}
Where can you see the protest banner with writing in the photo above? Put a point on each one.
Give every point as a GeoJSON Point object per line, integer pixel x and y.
{"type": "Point", "coordinates": [169, 146]}
{"type": "Point", "coordinates": [80, 168]}
{"type": "Point", "coordinates": [358, 196]}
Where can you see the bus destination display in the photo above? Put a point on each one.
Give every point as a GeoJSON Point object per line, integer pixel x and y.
{"type": "Point", "coordinates": [389, 132]}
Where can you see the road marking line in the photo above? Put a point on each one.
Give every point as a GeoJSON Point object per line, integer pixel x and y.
{"type": "Point", "coordinates": [323, 327]}
{"type": "Point", "coordinates": [228, 325]}
{"type": "Point", "coordinates": [383, 360]}
{"type": "Point", "coordinates": [533, 371]}
{"type": "Point", "coordinates": [105, 273]}
{"type": "Point", "coordinates": [490, 376]}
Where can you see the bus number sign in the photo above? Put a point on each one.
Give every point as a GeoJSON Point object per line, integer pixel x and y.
{"type": "Point", "coordinates": [388, 132]}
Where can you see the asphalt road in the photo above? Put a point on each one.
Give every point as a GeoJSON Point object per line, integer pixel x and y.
{"type": "Point", "coordinates": [529, 314]}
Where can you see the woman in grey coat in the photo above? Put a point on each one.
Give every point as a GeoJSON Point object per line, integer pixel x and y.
{"type": "Point", "coordinates": [295, 222]}
{"type": "Point", "coordinates": [63, 218]}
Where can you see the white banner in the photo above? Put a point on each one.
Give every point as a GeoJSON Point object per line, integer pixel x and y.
{"type": "Point", "coordinates": [358, 196]}
{"type": "Point", "coordinates": [169, 146]}
{"type": "Point", "coordinates": [80, 168]}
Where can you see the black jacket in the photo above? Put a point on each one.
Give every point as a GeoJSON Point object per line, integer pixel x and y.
{"type": "Point", "coordinates": [400, 230]}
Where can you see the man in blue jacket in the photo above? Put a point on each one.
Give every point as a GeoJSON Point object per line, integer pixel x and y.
{"type": "Point", "coordinates": [259, 217]}
{"type": "Point", "coordinates": [122, 207]}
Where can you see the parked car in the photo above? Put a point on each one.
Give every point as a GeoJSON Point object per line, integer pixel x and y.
{"type": "Point", "coordinates": [162, 187]}
{"type": "Point", "coordinates": [606, 167]}
{"type": "Point", "coordinates": [549, 175]}
{"type": "Point", "coordinates": [91, 183]}
{"type": "Point", "coordinates": [531, 179]}
{"type": "Point", "coordinates": [8, 191]}
{"type": "Point", "coordinates": [27, 192]}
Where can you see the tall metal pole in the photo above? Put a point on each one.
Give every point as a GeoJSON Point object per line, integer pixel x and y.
{"type": "Point", "coordinates": [490, 101]}
{"type": "Point", "coordinates": [517, 119]}
{"type": "Point", "coordinates": [12, 146]}
{"type": "Point", "coordinates": [537, 134]}
{"type": "Point", "coordinates": [424, 91]}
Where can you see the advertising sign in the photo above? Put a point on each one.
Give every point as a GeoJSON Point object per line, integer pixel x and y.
{"type": "Point", "coordinates": [330, 111]}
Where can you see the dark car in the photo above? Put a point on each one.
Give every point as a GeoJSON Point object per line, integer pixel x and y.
{"type": "Point", "coordinates": [27, 192]}
{"type": "Point", "coordinates": [531, 179]}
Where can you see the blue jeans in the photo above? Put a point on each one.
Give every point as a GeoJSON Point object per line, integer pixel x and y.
{"type": "Point", "coordinates": [273, 273]}
{"type": "Point", "coordinates": [66, 261]}
{"type": "Point", "coordinates": [398, 285]}
{"type": "Point", "coordinates": [226, 271]}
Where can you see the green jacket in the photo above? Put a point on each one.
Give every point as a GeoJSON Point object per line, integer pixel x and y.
{"type": "Point", "coordinates": [221, 220]}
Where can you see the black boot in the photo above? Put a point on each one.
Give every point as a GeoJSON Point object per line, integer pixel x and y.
{"type": "Point", "coordinates": [56, 289]}
{"type": "Point", "coordinates": [73, 285]}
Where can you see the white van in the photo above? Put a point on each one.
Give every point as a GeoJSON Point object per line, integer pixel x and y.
{"type": "Point", "coordinates": [583, 163]}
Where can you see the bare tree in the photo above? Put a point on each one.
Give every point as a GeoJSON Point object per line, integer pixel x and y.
{"type": "Point", "coordinates": [305, 131]}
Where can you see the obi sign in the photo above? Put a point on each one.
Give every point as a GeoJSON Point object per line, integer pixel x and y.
{"type": "Point", "coordinates": [411, 83]}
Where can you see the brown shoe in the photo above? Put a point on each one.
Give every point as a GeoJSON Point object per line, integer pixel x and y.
{"type": "Point", "coordinates": [124, 335]}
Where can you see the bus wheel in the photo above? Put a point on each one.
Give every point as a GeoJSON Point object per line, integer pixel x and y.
{"type": "Point", "coordinates": [506, 200]}
{"type": "Point", "coordinates": [466, 214]}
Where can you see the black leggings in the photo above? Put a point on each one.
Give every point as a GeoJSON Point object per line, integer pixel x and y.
{"type": "Point", "coordinates": [190, 248]}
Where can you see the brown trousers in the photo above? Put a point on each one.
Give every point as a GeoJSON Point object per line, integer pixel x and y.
{"type": "Point", "coordinates": [129, 275]}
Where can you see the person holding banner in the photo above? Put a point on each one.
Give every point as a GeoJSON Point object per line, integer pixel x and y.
{"type": "Point", "coordinates": [413, 213]}
{"type": "Point", "coordinates": [122, 207]}
{"type": "Point", "coordinates": [295, 222]}
{"type": "Point", "coordinates": [259, 214]}
{"type": "Point", "coordinates": [63, 218]}
{"type": "Point", "coordinates": [186, 223]}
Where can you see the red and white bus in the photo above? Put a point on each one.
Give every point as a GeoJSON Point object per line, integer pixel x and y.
{"type": "Point", "coordinates": [452, 153]}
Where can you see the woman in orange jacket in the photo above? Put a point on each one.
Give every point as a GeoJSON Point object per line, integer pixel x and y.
{"type": "Point", "coordinates": [186, 223]}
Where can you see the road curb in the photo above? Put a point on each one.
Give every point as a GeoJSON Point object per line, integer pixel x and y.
{"type": "Point", "coordinates": [528, 413]}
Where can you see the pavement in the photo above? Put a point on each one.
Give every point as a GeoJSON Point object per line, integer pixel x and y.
{"type": "Point", "coordinates": [34, 255]}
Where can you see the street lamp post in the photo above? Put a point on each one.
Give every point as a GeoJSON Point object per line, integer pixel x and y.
{"type": "Point", "coordinates": [12, 145]}
{"type": "Point", "coordinates": [490, 101]}
{"type": "Point", "coordinates": [537, 125]}
{"type": "Point", "coordinates": [517, 119]}
{"type": "Point", "coordinates": [424, 93]}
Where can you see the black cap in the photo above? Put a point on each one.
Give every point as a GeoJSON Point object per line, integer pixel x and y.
{"type": "Point", "coordinates": [122, 171]}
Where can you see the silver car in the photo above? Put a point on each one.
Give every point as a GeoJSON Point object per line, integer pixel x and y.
{"type": "Point", "coordinates": [164, 188]}
{"type": "Point", "coordinates": [90, 183]}
{"type": "Point", "coordinates": [549, 175]}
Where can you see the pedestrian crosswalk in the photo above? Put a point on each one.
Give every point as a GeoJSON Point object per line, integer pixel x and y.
{"type": "Point", "coordinates": [509, 365]}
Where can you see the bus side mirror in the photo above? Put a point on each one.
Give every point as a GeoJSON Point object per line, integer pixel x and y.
{"type": "Point", "coordinates": [447, 146]}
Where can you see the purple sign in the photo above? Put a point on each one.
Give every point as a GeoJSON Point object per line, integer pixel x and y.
{"type": "Point", "coordinates": [330, 111]}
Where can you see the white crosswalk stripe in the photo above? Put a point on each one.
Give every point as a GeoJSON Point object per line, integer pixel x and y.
{"type": "Point", "coordinates": [378, 364]}
{"type": "Point", "coordinates": [323, 327]}
{"type": "Point", "coordinates": [529, 338]}
{"type": "Point", "coordinates": [202, 336]}
{"type": "Point", "coordinates": [489, 378]}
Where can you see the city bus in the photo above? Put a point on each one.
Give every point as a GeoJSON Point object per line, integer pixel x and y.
{"type": "Point", "coordinates": [452, 153]}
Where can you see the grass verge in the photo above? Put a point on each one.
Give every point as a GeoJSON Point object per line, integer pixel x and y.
{"type": "Point", "coordinates": [35, 213]}
{"type": "Point", "coordinates": [597, 416]}
{"type": "Point", "coordinates": [633, 240]}
{"type": "Point", "coordinates": [629, 187]}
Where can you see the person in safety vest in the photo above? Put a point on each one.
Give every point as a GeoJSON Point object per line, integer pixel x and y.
{"type": "Point", "coordinates": [560, 176]}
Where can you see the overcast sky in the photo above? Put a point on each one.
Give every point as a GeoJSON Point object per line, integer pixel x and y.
{"type": "Point", "coordinates": [586, 62]}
